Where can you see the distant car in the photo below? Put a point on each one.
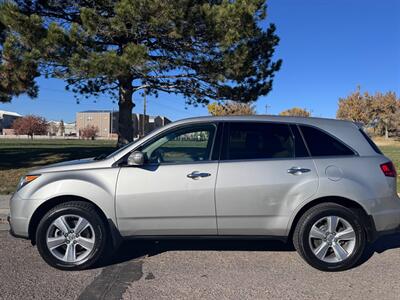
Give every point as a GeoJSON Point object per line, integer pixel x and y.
{"type": "Point", "coordinates": [322, 183]}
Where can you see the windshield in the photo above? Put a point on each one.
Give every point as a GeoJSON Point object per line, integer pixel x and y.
{"type": "Point", "coordinates": [120, 149]}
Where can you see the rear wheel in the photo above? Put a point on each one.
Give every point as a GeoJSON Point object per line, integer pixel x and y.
{"type": "Point", "coordinates": [330, 237]}
{"type": "Point", "coordinates": [71, 236]}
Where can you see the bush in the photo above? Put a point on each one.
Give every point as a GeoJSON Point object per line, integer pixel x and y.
{"type": "Point", "coordinates": [89, 132]}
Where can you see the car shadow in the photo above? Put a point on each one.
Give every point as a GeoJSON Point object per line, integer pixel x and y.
{"type": "Point", "coordinates": [381, 245]}
{"type": "Point", "coordinates": [135, 249]}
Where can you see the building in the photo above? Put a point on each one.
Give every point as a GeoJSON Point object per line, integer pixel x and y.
{"type": "Point", "coordinates": [97, 118]}
{"type": "Point", "coordinates": [55, 129]}
{"type": "Point", "coordinates": [70, 129]}
{"type": "Point", "coordinates": [6, 120]}
{"type": "Point", "coordinates": [107, 122]}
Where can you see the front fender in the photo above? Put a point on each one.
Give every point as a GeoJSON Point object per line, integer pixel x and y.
{"type": "Point", "coordinates": [97, 186]}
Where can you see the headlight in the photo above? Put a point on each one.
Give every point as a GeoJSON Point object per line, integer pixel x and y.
{"type": "Point", "coordinates": [25, 180]}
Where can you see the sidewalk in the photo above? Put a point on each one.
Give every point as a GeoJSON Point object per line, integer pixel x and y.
{"type": "Point", "coordinates": [4, 210]}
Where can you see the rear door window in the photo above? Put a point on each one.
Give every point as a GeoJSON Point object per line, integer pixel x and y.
{"type": "Point", "coordinates": [257, 141]}
{"type": "Point", "coordinates": [300, 148]}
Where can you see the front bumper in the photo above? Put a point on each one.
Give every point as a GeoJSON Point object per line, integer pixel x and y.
{"type": "Point", "coordinates": [21, 211]}
{"type": "Point", "coordinates": [12, 231]}
{"type": "Point", "coordinates": [18, 227]}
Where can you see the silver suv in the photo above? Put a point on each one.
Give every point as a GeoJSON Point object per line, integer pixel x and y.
{"type": "Point", "coordinates": [321, 183]}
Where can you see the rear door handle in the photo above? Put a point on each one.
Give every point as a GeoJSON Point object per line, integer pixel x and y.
{"type": "Point", "coordinates": [297, 170]}
{"type": "Point", "coordinates": [197, 175]}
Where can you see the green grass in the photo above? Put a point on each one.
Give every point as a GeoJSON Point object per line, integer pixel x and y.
{"type": "Point", "coordinates": [393, 152]}
{"type": "Point", "coordinates": [17, 157]}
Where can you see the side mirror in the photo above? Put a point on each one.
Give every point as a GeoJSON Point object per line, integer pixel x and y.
{"type": "Point", "coordinates": [136, 159]}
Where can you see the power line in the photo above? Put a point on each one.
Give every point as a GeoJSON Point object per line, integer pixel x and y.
{"type": "Point", "coordinates": [169, 107]}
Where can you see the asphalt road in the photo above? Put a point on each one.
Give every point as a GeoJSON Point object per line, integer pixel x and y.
{"type": "Point", "coordinates": [199, 270]}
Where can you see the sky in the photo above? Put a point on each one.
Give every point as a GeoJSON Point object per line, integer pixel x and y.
{"type": "Point", "coordinates": [328, 48]}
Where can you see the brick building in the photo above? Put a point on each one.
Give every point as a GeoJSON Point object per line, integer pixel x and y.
{"type": "Point", "coordinates": [107, 122]}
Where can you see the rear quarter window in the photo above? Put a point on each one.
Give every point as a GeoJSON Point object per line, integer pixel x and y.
{"type": "Point", "coordinates": [371, 142]}
{"type": "Point", "coordinates": [321, 143]}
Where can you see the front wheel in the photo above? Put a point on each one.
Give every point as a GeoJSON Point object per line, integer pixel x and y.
{"type": "Point", "coordinates": [330, 237]}
{"type": "Point", "coordinates": [71, 236]}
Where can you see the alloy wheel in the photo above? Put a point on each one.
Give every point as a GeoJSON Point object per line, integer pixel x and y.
{"type": "Point", "coordinates": [332, 239]}
{"type": "Point", "coordinates": [70, 238]}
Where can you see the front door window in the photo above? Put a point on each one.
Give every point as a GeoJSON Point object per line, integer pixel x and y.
{"type": "Point", "coordinates": [191, 144]}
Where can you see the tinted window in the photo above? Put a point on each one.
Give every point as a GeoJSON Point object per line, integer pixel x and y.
{"type": "Point", "coordinates": [258, 140]}
{"type": "Point", "coordinates": [299, 146]}
{"type": "Point", "coordinates": [181, 146]}
{"type": "Point", "coordinates": [371, 142]}
{"type": "Point", "coordinates": [322, 144]}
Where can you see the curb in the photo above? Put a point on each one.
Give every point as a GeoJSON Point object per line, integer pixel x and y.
{"type": "Point", "coordinates": [4, 211]}
{"type": "Point", "coordinates": [4, 223]}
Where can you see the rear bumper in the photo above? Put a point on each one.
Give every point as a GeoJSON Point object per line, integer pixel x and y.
{"type": "Point", "coordinates": [387, 232]}
{"type": "Point", "coordinates": [373, 234]}
{"type": "Point", "coordinates": [385, 214]}
{"type": "Point", "coordinates": [387, 220]}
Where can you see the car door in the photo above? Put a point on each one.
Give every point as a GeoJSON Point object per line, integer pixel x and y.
{"type": "Point", "coordinates": [173, 192]}
{"type": "Point", "coordinates": [264, 173]}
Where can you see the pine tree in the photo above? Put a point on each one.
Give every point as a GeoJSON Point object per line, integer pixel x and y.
{"type": "Point", "coordinates": [203, 50]}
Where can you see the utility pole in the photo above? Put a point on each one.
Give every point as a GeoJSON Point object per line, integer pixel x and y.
{"type": "Point", "coordinates": [112, 122]}
{"type": "Point", "coordinates": [144, 112]}
{"type": "Point", "coordinates": [266, 108]}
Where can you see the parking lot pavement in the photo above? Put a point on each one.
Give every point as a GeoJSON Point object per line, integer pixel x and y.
{"type": "Point", "coordinates": [261, 270]}
{"type": "Point", "coordinates": [198, 270]}
{"type": "Point", "coordinates": [23, 275]}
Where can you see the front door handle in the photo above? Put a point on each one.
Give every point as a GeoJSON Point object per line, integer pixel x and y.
{"type": "Point", "coordinates": [297, 170]}
{"type": "Point", "coordinates": [197, 175]}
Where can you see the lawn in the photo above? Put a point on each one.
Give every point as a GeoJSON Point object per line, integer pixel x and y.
{"type": "Point", "coordinates": [17, 157]}
{"type": "Point", "coordinates": [392, 150]}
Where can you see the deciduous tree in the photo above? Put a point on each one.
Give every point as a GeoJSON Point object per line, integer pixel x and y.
{"type": "Point", "coordinates": [380, 110]}
{"type": "Point", "coordinates": [355, 107]}
{"type": "Point", "coordinates": [89, 132]}
{"type": "Point", "coordinates": [231, 108]}
{"type": "Point", "coordinates": [296, 112]}
{"type": "Point", "coordinates": [204, 50]}
{"type": "Point", "coordinates": [384, 109]}
{"type": "Point", "coordinates": [30, 125]}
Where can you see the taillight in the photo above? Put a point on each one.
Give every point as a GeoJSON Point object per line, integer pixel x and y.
{"type": "Point", "coordinates": [388, 169]}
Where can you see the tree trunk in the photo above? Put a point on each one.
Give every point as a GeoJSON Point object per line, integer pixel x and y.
{"type": "Point", "coordinates": [125, 104]}
{"type": "Point", "coordinates": [386, 131]}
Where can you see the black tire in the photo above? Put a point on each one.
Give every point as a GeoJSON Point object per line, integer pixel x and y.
{"type": "Point", "coordinates": [310, 217]}
{"type": "Point", "coordinates": [81, 209]}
